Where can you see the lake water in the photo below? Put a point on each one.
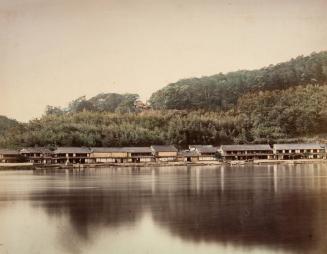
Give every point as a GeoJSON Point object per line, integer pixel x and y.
{"type": "Point", "coordinates": [216, 209]}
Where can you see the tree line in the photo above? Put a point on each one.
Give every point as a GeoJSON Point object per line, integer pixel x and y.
{"type": "Point", "coordinates": [286, 102]}
{"type": "Point", "coordinates": [221, 91]}
{"type": "Point", "coordinates": [262, 117]}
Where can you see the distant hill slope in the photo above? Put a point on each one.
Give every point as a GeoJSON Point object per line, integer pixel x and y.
{"type": "Point", "coordinates": [295, 114]}
{"type": "Point", "coordinates": [221, 91]}
{"type": "Point", "coordinates": [282, 103]}
{"type": "Point", "coordinates": [103, 102]}
{"type": "Point", "coordinates": [6, 123]}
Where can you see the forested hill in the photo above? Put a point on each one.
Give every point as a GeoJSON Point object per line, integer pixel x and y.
{"type": "Point", "coordinates": [221, 91]}
{"type": "Point", "coordinates": [6, 123]}
{"type": "Point", "coordinates": [292, 115]}
{"type": "Point", "coordinates": [282, 103]}
{"type": "Point", "coordinates": [103, 102]}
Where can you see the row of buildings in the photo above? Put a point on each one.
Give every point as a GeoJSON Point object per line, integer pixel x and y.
{"type": "Point", "coordinates": [163, 153]}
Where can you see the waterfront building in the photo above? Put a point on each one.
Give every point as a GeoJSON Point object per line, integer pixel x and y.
{"type": "Point", "coordinates": [121, 154]}
{"type": "Point", "coordinates": [205, 152]}
{"type": "Point", "coordinates": [299, 151]}
{"type": "Point", "coordinates": [37, 155]}
{"type": "Point", "coordinates": [71, 155]}
{"type": "Point", "coordinates": [188, 156]}
{"type": "Point", "coordinates": [164, 152]}
{"type": "Point", "coordinates": [10, 156]}
{"type": "Point", "coordinates": [140, 154]}
{"type": "Point", "coordinates": [246, 152]}
{"type": "Point", "coordinates": [108, 154]}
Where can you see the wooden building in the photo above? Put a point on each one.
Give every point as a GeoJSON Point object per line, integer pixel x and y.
{"type": "Point", "coordinates": [164, 152]}
{"type": "Point", "coordinates": [299, 151]}
{"type": "Point", "coordinates": [205, 152]}
{"type": "Point", "coordinates": [140, 154]}
{"type": "Point", "coordinates": [37, 155]}
{"type": "Point", "coordinates": [121, 154]}
{"type": "Point", "coordinates": [71, 155]}
{"type": "Point", "coordinates": [187, 155]}
{"type": "Point", "coordinates": [246, 152]}
{"type": "Point", "coordinates": [10, 156]}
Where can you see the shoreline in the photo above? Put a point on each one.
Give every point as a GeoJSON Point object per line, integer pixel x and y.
{"type": "Point", "coordinates": [31, 166]}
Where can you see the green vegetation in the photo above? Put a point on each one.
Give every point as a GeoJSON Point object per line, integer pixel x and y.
{"type": "Point", "coordinates": [221, 91]}
{"type": "Point", "coordinates": [103, 102]}
{"type": "Point", "coordinates": [282, 103]}
{"type": "Point", "coordinates": [270, 116]}
{"type": "Point", "coordinates": [115, 129]}
{"type": "Point", "coordinates": [6, 123]}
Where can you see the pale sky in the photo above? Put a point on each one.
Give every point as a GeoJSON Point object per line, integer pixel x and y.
{"type": "Point", "coordinates": [53, 51]}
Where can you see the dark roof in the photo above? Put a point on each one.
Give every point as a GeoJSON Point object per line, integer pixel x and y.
{"type": "Point", "coordinates": [9, 151]}
{"type": "Point", "coordinates": [72, 150]}
{"type": "Point", "coordinates": [42, 150]}
{"type": "Point", "coordinates": [245, 147]}
{"type": "Point", "coordinates": [204, 148]}
{"type": "Point", "coordinates": [164, 148]}
{"type": "Point", "coordinates": [188, 153]}
{"type": "Point", "coordinates": [121, 149]}
{"type": "Point", "coordinates": [298, 146]}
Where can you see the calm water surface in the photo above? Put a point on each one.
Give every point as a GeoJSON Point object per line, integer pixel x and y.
{"type": "Point", "coordinates": [243, 209]}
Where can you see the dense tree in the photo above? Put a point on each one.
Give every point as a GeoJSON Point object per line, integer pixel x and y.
{"type": "Point", "coordinates": [262, 117]}
{"type": "Point", "coordinates": [6, 123]}
{"type": "Point", "coordinates": [221, 91]}
{"type": "Point", "coordinates": [104, 102]}
{"type": "Point", "coordinates": [282, 103]}
{"type": "Point", "coordinates": [51, 110]}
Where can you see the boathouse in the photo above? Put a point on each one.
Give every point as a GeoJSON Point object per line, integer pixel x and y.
{"type": "Point", "coordinates": [299, 151]}
{"type": "Point", "coordinates": [121, 154]}
{"type": "Point", "coordinates": [37, 155]}
{"type": "Point", "coordinates": [10, 156]}
{"type": "Point", "coordinates": [205, 152]}
{"type": "Point", "coordinates": [140, 154]}
{"type": "Point", "coordinates": [108, 154]}
{"type": "Point", "coordinates": [164, 152]}
{"type": "Point", "coordinates": [246, 152]}
{"type": "Point", "coordinates": [71, 155]}
{"type": "Point", "coordinates": [187, 155]}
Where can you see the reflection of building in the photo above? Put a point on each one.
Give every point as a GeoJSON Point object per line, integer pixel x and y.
{"type": "Point", "coordinates": [37, 155]}
{"type": "Point", "coordinates": [164, 152]}
{"type": "Point", "coordinates": [299, 151]}
{"type": "Point", "coordinates": [194, 205]}
{"type": "Point", "coordinates": [246, 152]}
{"type": "Point", "coordinates": [121, 154]}
{"type": "Point", "coordinates": [72, 155]}
{"type": "Point", "coordinates": [9, 156]}
{"type": "Point", "coordinates": [205, 152]}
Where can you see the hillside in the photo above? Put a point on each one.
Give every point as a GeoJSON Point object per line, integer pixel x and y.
{"type": "Point", "coordinates": [262, 117]}
{"type": "Point", "coordinates": [282, 103]}
{"type": "Point", "coordinates": [6, 123]}
{"type": "Point", "coordinates": [221, 91]}
{"type": "Point", "coordinates": [103, 102]}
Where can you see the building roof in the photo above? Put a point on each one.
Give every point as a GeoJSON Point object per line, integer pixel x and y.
{"type": "Point", "coordinates": [203, 148]}
{"type": "Point", "coordinates": [72, 150]}
{"type": "Point", "coordinates": [164, 148]}
{"type": "Point", "coordinates": [298, 146]}
{"type": "Point", "coordinates": [42, 150]}
{"type": "Point", "coordinates": [262, 147]}
{"type": "Point", "coordinates": [9, 152]}
{"type": "Point", "coordinates": [121, 149]}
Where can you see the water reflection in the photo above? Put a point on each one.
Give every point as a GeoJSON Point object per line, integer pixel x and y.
{"type": "Point", "coordinates": [185, 209]}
